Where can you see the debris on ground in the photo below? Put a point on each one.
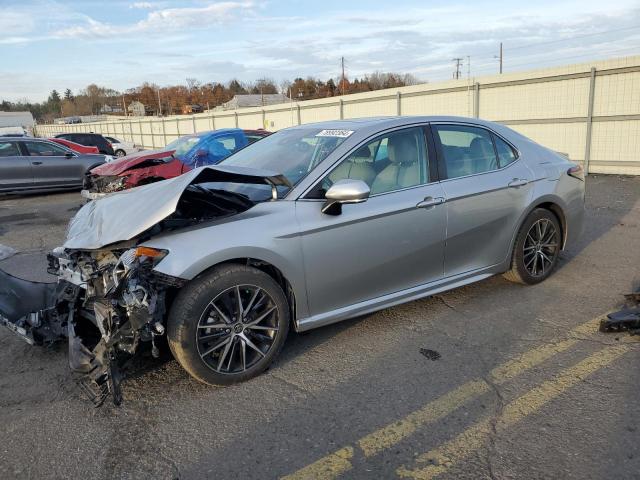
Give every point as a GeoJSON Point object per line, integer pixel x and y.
{"type": "Point", "coordinates": [625, 320]}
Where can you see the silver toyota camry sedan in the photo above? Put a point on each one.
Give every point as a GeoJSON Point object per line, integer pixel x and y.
{"type": "Point", "coordinates": [309, 226]}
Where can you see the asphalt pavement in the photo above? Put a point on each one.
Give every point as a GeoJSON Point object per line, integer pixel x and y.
{"type": "Point", "coordinates": [493, 380]}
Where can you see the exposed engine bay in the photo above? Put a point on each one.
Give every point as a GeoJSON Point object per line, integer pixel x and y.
{"type": "Point", "coordinates": [108, 301]}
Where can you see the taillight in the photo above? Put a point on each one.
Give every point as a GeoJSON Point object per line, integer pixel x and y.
{"type": "Point", "coordinates": [576, 172]}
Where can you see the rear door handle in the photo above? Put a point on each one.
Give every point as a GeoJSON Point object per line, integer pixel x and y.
{"type": "Point", "coordinates": [517, 182]}
{"type": "Point", "coordinates": [430, 202]}
{"type": "Point", "coordinates": [36, 163]}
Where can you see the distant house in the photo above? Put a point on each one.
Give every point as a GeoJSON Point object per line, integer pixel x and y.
{"type": "Point", "coordinates": [111, 109]}
{"type": "Point", "coordinates": [187, 109]}
{"type": "Point", "coordinates": [137, 109]}
{"type": "Point", "coordinates": [257, 100]}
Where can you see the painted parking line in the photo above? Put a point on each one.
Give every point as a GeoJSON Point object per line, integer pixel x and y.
{"type": "Point", "coordinates": [339, 462]}
{"type": "Point", "coordinates": [449, 454]}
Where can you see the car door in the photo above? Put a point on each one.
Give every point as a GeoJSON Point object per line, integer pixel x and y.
{"type": "Point", "coordinates": [485, 193]}
{"type": "Point", "coordinates": [15, 168]}
{"type": "Point", "coordinates": [391, 242]}
{"type": "Point", "coordinates": [51, 166]}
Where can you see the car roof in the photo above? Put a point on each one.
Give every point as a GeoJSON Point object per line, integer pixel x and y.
{"type": "Point", "coordinates": [23, 138]}
{"type": "Point", "coordinates": [388, 122]}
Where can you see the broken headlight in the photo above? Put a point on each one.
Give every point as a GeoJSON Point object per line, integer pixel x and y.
{"type": "Point", "coordinates": [139, 256]}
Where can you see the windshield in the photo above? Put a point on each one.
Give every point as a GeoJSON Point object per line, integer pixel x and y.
{"type": "Point", "coordinates": [183, 144]}
{"type": "Point", "coordinates": [293, 152]}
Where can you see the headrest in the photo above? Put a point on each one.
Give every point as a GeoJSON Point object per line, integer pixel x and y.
{"type": "Point", "coordinates": [481, 147]}
{"type": "Point", "coordinates": [402, 148]}
{"type": "Point", "coordinates": [363, 154]}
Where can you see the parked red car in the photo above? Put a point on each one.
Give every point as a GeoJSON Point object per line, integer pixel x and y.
{"type": "Point", "coordinates": [76, 147]}
{"type": "Point", "coordinates": [180, 156]}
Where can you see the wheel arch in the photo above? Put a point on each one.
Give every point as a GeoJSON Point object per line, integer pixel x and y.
{"type": "Point", "coordinates": [270, 269]}
{"type": "Point", "coordinates": [551, 203]}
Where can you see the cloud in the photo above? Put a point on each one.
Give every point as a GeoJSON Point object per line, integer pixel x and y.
{"type": "Point", "coordinates": [161, 21]}
{"type": "Point", "coordinates": [141, 5]}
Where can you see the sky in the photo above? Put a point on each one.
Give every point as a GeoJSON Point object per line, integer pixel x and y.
{"type": "Point", "coordinates": [56, 44]}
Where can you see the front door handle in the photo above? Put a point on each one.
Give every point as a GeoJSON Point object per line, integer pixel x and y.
{"type": "Point", "coordinates": [430, 202]}
{"type": "Point", "coordinates": [517, 182]}
{"type": "Point", "coordinates": [36, 163]}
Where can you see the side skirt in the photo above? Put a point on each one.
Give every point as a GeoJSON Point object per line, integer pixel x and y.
{"type": "Point", "coordinates": [397, 298]}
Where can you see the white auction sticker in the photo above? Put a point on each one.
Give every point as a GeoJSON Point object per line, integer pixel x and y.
{"type": "Point", "coordinates": [335, 133]}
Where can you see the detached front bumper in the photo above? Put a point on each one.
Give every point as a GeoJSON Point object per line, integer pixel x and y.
{"type": "Point", "coordinates": [25, 308]}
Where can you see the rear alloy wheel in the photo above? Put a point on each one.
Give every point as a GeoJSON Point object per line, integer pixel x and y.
{"type": "Point", "coordinates": [228, 325]}
{"type": "Point", "coordinates": [120, 153]}
{"type": "Point", "coordinates": [537, 248]}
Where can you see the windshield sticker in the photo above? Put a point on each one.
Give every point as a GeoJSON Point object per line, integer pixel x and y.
{"type": "Point", "coordinates": [335, 133]}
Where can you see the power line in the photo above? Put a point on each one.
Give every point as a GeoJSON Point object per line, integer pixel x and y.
{"type": "Point", "coordinates": [551, 42]}
{"type": "Point", "coordinates": [490, 54]}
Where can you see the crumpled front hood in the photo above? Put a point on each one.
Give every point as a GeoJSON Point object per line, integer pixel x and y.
{"type": "Point", "coordinates": [123, 215]}
{"type": "Point", "coordinates": [123, 164]}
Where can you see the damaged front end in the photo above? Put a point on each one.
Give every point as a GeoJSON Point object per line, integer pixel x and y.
{"type": "Point", "coordinates": [106, 303]}
{"type": "Point", "coordinates": [96, 186]}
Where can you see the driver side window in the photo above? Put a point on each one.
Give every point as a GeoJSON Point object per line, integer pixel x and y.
{"type": "Point", "coordinates": [393, 161]}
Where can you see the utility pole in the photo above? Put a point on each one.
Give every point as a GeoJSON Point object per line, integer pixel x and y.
{"type": "Point", "coordinates": [456, 74]}
{"type": "Point", "coordinates": [500, 57]}
{"type": "Point", "coordinates": [124, 106]}
{"type": "Point", "coordinates": [342, 82]}
{"type": "Point", "coordinates": [159, 104]}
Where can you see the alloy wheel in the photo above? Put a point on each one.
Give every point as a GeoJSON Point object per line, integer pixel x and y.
{"type": "Point", "coordinates": [237, 329]}
{"type": "Point", "coordinates": [541, 247]}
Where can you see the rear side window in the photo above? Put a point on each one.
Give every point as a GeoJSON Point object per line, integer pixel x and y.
{"type": "Point", "coordinates": [88, 140]}
{"type": "Point", "coordinates": [466, 150]}
{"type": "Point", "coordinates": [44, 149]}
{"type": "Point", "coordinates": [506, 154]}
{"type": "Point", "coordinates": [254, 138]}
{"type": "Point", "coordinates": [9, 149]}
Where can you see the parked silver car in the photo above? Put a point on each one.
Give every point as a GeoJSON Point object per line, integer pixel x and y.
{"type": "Point", "coordinates": [35, 164]}
{"type": "Point", "coordinates": [311, 225]}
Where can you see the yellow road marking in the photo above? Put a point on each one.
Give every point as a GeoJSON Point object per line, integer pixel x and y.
{"type": "Point", "coordinates": [472, 439]}
{"type": "Point", "coordinates": [330, 466]}
{"type": "Point", "coordinates": [337, 463]}
{"type": "Point", "coordinates": [392, 434]}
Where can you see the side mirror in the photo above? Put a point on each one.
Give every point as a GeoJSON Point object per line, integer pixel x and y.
{"type": "Point", "coordinates": [345, 191]}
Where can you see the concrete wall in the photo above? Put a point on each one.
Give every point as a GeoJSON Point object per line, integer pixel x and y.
{"type": "Point", "coordinates": [590, 111]}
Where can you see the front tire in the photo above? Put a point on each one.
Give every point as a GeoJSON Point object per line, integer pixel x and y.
{"type": "Point", "coordinates": [536, 250]}
{"type": "Point", "coordinates": [228, 325]}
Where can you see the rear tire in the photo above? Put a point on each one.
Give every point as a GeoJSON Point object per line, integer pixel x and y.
{"type": "Point", "coordinates": [216, 341]}
{"type": "Point", "coordinates": [120, 153]}
{"type": "Point", "coordinates": [536, 250]}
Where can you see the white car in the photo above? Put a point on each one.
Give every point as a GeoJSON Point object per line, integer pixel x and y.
{"type": "Point", "coordinates": [123, 148]}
